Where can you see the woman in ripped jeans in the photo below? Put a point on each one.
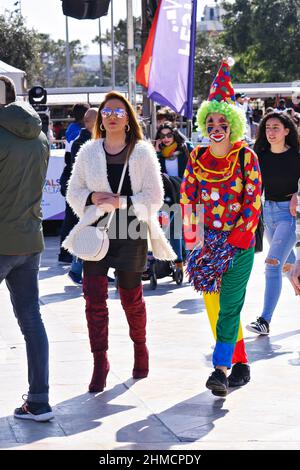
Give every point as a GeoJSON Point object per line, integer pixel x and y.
{"type": "Point", "coordinates": [277, 147]}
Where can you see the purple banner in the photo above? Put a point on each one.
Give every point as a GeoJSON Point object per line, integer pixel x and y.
{"type": "Point", "coordinates": [171, 76]}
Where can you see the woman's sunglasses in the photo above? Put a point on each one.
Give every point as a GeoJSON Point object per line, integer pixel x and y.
{"type": "Point", "coordinates": [169, 135]}
{"type": "Point", "coordinates": [118, 112]}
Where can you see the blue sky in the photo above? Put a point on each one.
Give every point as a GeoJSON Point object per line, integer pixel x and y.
{"type": "Point", "coordinates": [46, 16]}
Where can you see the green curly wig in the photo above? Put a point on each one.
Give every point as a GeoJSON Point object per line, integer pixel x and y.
{"type": "Point", "coordinates": [235, 117]}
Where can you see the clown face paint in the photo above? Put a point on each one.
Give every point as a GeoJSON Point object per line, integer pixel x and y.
{"type": "Point", "coordinates": [217, 127]}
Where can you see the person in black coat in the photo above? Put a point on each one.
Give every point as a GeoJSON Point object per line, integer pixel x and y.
{"type": "Point", "coordinates": [75, 273]}
{"type": "Point", "coordinates": [71, 133]}
{"type": "Point", "coordinates": [173, 152]}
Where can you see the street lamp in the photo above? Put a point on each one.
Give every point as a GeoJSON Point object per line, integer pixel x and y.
{"type": "Point", "coordinates": [18, 3]}
{"type": "Point", "coordinates": [87, 9]}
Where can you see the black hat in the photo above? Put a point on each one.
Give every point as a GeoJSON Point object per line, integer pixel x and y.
{"type": "Point", "coordinates": [240, 95]}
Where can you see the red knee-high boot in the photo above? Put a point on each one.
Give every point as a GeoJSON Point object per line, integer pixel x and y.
{"type": "Point", "coordinates": [95, 290]}
{"type": "Point", "coordinates": [134, 305]}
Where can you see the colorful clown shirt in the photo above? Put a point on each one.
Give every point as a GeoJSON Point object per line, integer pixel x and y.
{"type": "Point", "coordinates": [230, 202]}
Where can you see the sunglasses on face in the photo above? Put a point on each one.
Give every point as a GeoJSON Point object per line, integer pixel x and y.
{"type": "Point", "coordinates": [118, 112]}
{"type": "Point", "coordinates": [168, 136]}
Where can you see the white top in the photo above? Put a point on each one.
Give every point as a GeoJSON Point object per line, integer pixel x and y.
{"type": "Point", "coordinates": [172, 167]}
{"type": "Point", "coordinates": [89, 174]}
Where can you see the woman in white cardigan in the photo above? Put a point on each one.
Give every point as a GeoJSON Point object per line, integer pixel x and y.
{"type": "Point", "coordinates": [92, 193]}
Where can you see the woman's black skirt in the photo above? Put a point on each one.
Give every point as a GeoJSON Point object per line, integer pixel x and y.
{"type": "Point", "coordinates": [124, 254]}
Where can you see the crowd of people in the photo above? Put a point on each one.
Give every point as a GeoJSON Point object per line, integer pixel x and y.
{"type": "Point", "coordinates": [114, 174]}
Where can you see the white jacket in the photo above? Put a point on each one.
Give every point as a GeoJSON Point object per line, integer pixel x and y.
{"type": "Point", "coordinates": [90, 174]}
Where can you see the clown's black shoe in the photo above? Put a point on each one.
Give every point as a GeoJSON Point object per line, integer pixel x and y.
{"type": "Point", "coordinates": [240, 375]}
{"type": "Point", "coordinates": [218, 384]}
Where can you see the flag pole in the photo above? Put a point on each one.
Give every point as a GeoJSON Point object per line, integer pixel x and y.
{"type": "Point", "coordinates": [190, 92]}
{"type": "Point", "coordinates": [153, 120]}
{"type": "Point", "coordinates": [100, 55]}
{"type": "Point", "coordinates": [168, 49]}
{"type": "Point", "coordinates": [146, 101]}
{"type": "Point", "coordinates": [131, 55]}
{"type": "Point", "coordinates": [68, 61]}
{"type": "Point", "coordinates": [113, 72]}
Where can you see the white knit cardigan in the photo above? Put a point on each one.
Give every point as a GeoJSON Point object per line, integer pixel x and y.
{"type": "Point", "coordinates": [90, 174]}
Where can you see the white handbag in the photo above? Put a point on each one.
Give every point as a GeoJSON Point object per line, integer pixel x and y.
{"type": "Point", "coordinates": [92, 243]}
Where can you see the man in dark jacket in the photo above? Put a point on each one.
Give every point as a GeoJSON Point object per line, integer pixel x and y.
{"type": "Point", "coordinates": [24, 154]}
{"type": "Point", "coordinates": [75, 273]}
{"type": "Point", "coordinates": [72, 133]}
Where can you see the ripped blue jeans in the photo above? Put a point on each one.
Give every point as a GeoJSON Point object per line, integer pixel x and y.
{"type": "Point", "coordinates": [280, 229]}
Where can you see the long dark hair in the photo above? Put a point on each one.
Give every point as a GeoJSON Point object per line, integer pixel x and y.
{"type": "Point", "coordinates": [292, 139]}
{"type": "Point", "coordinates": [178, 137]}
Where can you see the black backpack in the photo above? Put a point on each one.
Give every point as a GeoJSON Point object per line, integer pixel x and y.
{"type": "Point", "coordinates": [259, 234]}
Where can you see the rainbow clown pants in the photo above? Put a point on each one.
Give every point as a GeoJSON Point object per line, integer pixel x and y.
{"type": "Point", "coordinates": [224, 310]}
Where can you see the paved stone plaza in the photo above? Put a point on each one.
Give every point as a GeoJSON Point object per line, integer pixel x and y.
{"type": "Point", "coordinates": [171, 409]}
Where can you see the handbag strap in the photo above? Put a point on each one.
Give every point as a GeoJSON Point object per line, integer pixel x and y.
{"type": "Point", "coordinates": [107, 225]}
{"type": "Point", "coordinates": [242, 163]}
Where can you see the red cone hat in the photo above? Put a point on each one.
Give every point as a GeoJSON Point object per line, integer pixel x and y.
{"type": "Point", "coordinates": [221, 88]}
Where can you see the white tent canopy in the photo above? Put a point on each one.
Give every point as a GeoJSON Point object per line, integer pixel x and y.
{"type": "Point", "coordinates": [15, 74]}
{"type": "Point", "coordinates": [265, 90]}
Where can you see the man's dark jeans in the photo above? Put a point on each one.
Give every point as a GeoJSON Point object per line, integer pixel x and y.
{"type": "Point", "coordinates": [21, 275]}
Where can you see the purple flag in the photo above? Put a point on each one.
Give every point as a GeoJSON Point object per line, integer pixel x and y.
{"type": "Point", "coordinates": [171, 76]}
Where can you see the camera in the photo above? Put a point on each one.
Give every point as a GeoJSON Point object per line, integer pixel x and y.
{"type": "Point", "coordinates": [37, 96]}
